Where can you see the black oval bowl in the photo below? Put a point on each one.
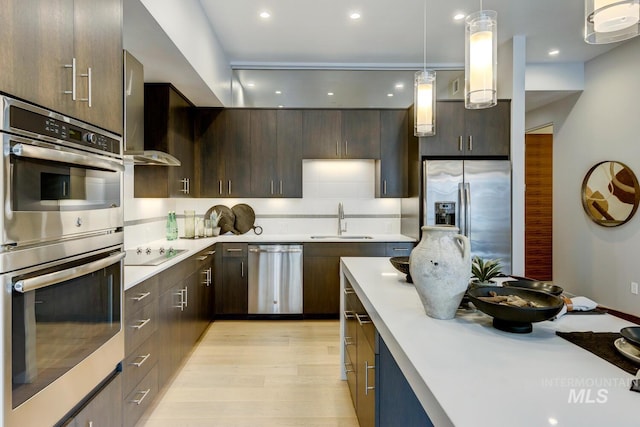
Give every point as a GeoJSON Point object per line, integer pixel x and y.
{"type": "Point", "coordinates": [401, 263]}
{"type": "Point", "coordinates": [518, 317]}
{"type": "Point", "coordinates": [631, 334]}
{"type": "Point", "coordinates": [534, 285]}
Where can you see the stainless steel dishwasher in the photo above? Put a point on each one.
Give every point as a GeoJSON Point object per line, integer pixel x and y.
{"type": "Point", "coordinates": [275, 279]}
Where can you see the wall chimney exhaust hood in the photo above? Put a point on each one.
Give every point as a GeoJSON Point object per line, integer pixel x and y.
{"type": "Point", "coordinates": [134, 119]}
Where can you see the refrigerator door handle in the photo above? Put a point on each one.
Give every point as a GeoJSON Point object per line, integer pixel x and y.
{"type": "Point", "coordinates": [462, 218]}
{"type": "Point", "coordinates": [467, 203]}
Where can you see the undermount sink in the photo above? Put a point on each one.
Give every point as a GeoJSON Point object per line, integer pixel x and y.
{"type": "Point", "coordinates": [345, 236]}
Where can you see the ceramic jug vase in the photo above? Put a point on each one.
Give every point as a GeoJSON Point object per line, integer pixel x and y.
{"type": "Point", "coordinates": [440, 266]}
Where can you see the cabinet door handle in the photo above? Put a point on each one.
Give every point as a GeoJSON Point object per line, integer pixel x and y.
{"type": "Point", "coordinates": [89, 86]}
{"type": "Point", "coordinates": [141, 296]}
{"type": "Point", "coordinates": [460, 143]}
{"type": "Point", "coordinates": [185, 185]}
{"type": "Point", "coordinates": [346, 148]}
{"type": "Point", "coordinates": [363, 318]}
{"type": "Point", "coordinates": [401, 249]}
{"type": "Point", "coordinates": [234, 250]}
{"type": "Point", "coordinates": [186, 297]}
{"type": "Point", "coordinates": [220, 187]}
{"type": "Point", "coordinates": [348, 341]}
{"type": "Point", "coordinates": [229, 187]}
{"type": "Point", "coordinates": [272, 187]}
{"type": "Point", "coordinates": [73, 91]}
{"type": "Point", "coordinates": [242, 269]}
{"type": "Point", "coordinates": [281, 187]}
{"type": "Point", "coordinates": [470, 142]}
{"type": "Point", "coordinates": [202, 258]}
{"type": "Point", "coordinates": [384, 186]}
{"type": "Point", "coordinates": [142, 360]}
{"type": "Point", "coordinates": [188, 186]}
{"type": "Point", "coordinates": [144, 394]}
{"type": "Point", "coordinates": [337, 148]}
{"type": "Point", "coordinates": [349, 291]}
{"type": "Point", "coordinates": [346, 369]}
{"type": "Point", "coordinates": [141, 324]}
{"type": "Point", "coordinates": [366, 377]}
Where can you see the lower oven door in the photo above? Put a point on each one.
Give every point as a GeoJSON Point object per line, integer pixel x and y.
{"type": "Point", "coordinates": [63, 327]}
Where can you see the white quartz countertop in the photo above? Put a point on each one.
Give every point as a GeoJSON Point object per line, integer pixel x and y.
{"type": "Point", "coordinates": [467, 373]}
{"type": "Point", "coordinates": [136, 274]}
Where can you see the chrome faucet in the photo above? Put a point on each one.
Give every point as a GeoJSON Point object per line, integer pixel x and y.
{"type": "Point", "coordinates": [341, 219]}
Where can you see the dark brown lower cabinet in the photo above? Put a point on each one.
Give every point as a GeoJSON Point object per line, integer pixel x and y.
{"type": "Point", "coordinates": [164, 317]}
{"type": "Point", "coordinates": [232, 280]}
{"type": "Point", "coordinates": [321, 271]}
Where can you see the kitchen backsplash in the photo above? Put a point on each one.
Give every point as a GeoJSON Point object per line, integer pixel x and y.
{"type": "Point", "coordinates": [325, 184]}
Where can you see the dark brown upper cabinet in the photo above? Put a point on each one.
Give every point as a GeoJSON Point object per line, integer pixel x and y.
{"type": "Point", "coordinates": [341, 134]}
{"type": "Point", "coordinates": [46, 45]}
{"type": "Point", "coordinates": [276, 153]}
{"type": "Point", "coordinates": [391, 169]}
{"type": "Point", "coordinates": [168, 127]}
{"type": "Point", "coordinates": [470, 133]}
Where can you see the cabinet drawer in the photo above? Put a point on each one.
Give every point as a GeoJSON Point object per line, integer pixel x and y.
{"type": "Point", "coordinates": [140, 295]}
{"type": "Point", "coordinates": [399, 248]}
{"type": "Point", "coordinates": [139, 362]}
{"type": "Point", "coordinates": [350, 370]}
{"type": "Point", "coordinates": [234, 250]}
{"type": "Point", "coordinates": [140, 398]}
{"type": "Point", "coordinates": [139, 326]}
{"type": "Point", "coordinates": [345, 249]}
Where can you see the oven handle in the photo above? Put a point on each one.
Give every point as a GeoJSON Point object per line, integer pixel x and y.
{"type": "Point", "coordinates": [31, 151]}
{"type": "Point", "coordinates": [38, 282]}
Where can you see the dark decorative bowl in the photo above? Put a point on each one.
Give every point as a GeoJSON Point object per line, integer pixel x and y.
{"type": "Point", "coordinates": [516, 319]}
{"type": "Point", "coordinates": [534, 285]}
{"type": "Point", "coordinates": [401, 263]}
{"type": "Point", "coordinates": [631, 334]}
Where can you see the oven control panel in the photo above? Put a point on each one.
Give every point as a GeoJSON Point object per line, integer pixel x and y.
{"type": "Point", "coordinates": [39, 124]}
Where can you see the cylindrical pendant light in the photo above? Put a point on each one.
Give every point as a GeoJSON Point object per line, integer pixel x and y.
{"type": "Point", "coordinates": [424, 103]}
{"type": "Point", "coordinates": [608, 21]}
{"type": "Point", "coordinates": [481, 60]}
{"type": "Point", "coordinates": [424, 94]}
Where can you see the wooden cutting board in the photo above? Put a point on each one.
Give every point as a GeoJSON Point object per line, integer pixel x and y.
{"type": "Point", "coordinates": [227, 220]}
{"type": "Point", "coordinates": [245, 217]}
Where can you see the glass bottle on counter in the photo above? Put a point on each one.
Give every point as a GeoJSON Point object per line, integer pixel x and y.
{"type": "Point", "coordinates": [172, 226]}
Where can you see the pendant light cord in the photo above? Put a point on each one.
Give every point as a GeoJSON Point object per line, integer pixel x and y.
{"type": "Point", "coordinates": [425, 37]}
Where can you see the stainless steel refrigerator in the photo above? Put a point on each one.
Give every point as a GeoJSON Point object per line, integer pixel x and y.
{"type": "Point", "coordinates": [475, 196]}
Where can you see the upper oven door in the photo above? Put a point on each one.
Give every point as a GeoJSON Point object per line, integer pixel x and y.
{"type": "Point", "coordinates": [52, 192]}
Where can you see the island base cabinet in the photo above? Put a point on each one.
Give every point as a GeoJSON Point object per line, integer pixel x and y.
{"type": "Point", "coordinates": [397, 404]}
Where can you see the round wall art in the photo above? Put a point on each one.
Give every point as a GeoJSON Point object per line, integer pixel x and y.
{"type": "Point", "coordinates": [610, 193]}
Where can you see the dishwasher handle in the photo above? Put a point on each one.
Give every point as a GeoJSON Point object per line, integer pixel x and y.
{"type": "Point", "coordinates": [275, 250]}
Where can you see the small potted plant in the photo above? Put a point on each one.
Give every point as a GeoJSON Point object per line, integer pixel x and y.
{"type": "Point", "coordinates": [484, 270]}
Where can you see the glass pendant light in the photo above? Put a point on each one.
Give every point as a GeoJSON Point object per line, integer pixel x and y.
{"type": "Point", "coordinates": [424, 95]}
{"type": "Point", "coordinates": [608, 21]}
{"type": "Point", "coordinates": [481, 59]}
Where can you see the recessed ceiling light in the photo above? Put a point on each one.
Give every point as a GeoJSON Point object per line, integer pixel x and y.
{"type": "Point", "coordinates": [265, 14]}
{"type": "Point", "coordinates": [389, 95]}
{"type": "Point", "coordinates": [399, 85]}
{"type": "Point", "coordinates": [280, 106]}
{"type": "Point", "coordinates": [459, 16]}
{"type": "Point", "coordinates": [355, 15]}
{"type": "Point", "coordinates": [251, 84]}
{"type": "Point", "coordinates": [330, 93]}
{"type": "Point", "coordinates": [278, 92]}
{"type": "Point", "coordinates": [554, 52]}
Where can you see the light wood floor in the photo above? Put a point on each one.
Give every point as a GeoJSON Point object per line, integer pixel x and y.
{"type": "Point", "coordinates": [260, 373]}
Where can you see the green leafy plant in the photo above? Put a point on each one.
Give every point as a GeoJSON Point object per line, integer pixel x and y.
{"type": "Point", "coordinates": [485, 270]}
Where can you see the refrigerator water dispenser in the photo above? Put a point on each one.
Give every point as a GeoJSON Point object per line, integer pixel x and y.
{"type": "Point", "coordinates": [445, 213]}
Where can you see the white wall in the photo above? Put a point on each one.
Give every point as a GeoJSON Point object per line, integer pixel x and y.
{"type": "Point", "coordinates": [600, 124]}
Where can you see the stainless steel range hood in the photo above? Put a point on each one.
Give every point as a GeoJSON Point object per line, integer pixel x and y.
{"type": "Point", "coordinates": [134, 118]}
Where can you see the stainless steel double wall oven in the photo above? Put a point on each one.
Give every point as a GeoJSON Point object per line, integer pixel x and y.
{"type": "Point", "coordinates": [61, 252]}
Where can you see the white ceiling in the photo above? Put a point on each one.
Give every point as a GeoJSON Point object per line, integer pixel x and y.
{"type": "Point", "coordinates": [318, 35]}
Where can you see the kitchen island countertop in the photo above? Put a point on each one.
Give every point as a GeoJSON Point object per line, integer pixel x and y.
{"type": "Point", "coordinates": [136, 274]}
{"type": "Point", "coordinates": [467, 373]}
